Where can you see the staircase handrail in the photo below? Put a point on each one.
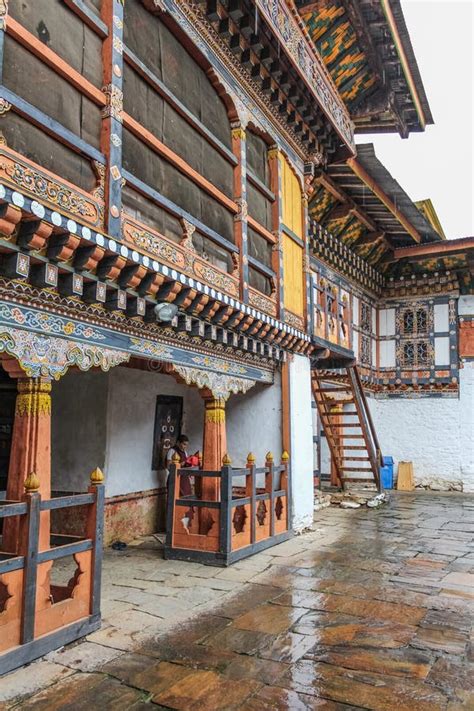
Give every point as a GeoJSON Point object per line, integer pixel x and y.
{"type": "Point", "coordinates": [368, 415]}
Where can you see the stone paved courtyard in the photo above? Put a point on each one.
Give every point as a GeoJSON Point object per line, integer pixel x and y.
{"type": "Point", "coordinates": [371, 609]}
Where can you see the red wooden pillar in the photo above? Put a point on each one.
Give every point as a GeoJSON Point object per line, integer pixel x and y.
{"type": "Point", "coordinates": [30, 453]}
{"type": "Point", "coordinates": [215, 443]}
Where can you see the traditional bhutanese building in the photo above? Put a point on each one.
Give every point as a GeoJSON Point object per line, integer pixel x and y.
{"type": "Point", "coordinates": [191, 242]}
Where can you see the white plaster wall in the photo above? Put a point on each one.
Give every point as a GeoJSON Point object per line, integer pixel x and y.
{"type": "Point", "coordinates": [466, 412]}
{"type": "Point", "coordinates": [302, 488]}
{"type": "Point", "coordinates": [387, 354]}
{"type": "Point", "coordinates": [442, 350]}
{"type": "Point", "coordinates": [78, 429]}
{"type": "Point", "coordinates": [130, 423]}
{"type": "Point", "coordinates": [387, 322]}
{"type": "Point", "coordinates": [466, 305]}
{"type": "Point", "coordinates": [425, 431]}
{"type": "Point", "coordinates": [254, 424]}
{"type": "Point", "coordinates": [441, 318]}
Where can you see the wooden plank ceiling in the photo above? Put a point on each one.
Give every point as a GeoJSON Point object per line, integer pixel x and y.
{"type": "Point", "coordinates": [362, 204]}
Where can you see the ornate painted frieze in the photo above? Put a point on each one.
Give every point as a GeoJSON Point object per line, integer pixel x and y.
{"type": "Point", "coordinates": [260, 301]}
{"type": "Point", "coordinates": [294, 320]}
{"type": "Point", "coordinates": [181, 256]}
{"type": "Point", "coordinates": [36, 181]}
{"type": "Point", "coordinates": [48, 356]}
{"type": "Point", "coordinates": [92, 340]}
{"type": "Point", "coordinates": [220, 385]}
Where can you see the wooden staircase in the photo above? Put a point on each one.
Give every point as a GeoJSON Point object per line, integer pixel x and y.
{"type": "Point", "coordinates": [348, 427]}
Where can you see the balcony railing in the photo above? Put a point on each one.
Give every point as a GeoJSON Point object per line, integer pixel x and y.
{"type": "Point", "coordinates": [251, 513]}
{"type": "Point", "coordinates": [36, 615]}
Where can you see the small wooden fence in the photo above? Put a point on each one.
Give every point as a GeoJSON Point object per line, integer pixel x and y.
{"type": "Point", "coordinates": [246, 519]}
{"type": "Point", "coordinates": [37, 616]}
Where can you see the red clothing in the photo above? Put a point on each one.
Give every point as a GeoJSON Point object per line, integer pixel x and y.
{"type": "Point", "coordinates": [185, 488]}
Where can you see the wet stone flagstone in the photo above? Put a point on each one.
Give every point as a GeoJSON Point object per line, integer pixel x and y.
{"type": "Point", "coordinates": [369, 610]}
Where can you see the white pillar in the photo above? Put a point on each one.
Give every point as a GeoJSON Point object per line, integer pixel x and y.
{"type": "Point", "coordinates": [301, 442]}
{"type": "Point", "coordinates": [466, 424]}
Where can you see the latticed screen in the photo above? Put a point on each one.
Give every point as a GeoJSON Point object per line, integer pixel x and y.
{"type": "Point", "coordinates": [365, 350]}
{"type": "Point", "coordinates": [415, 321]}
{"type": "Point", "coordinates": [415, 354]}
{"type": "Point", "coordinates": [365, 317]}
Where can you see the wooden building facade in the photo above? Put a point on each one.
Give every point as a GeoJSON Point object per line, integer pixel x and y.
{"type": "Point", "coordinates": [190, 237]}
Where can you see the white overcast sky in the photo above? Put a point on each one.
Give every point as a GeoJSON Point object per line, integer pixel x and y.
{"type": "Point", "coordinates": [439, 163]}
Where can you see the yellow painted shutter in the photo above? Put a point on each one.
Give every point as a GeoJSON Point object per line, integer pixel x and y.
{"type": "Point", "coordinates": [293, 292]}
{"type": "Point", "coordinates": [292, 214]}
{"type": "Point", "coordinates": [292, 199]}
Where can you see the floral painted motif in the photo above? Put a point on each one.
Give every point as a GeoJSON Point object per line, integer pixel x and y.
{"type": "Point", "coordinates": [219, 365]}
{"type": "Point", "coordinates": [259, 301]}
{"type": "Point", "coordinates": [215, 278]}
{"type": "Point", "coordinates": [51, 357]}
{"type": "Point", "coordinates": [155, 245]}
{"type": "Point", "coordinates": [37, 320]}
{"type": "Point", "coordinates": [41, 185]}
{"type": "Point", "coordinates": [150, 348]}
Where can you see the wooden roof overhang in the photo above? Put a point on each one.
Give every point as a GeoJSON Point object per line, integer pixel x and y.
{"type": "Point", "coordinates": [270, 43]}
{"type": "Point", "coordinates": [47, 249]}
{"type": "Point", "coordinates": [453, 257]}
{"type": "Point", "coordinates": [367, 49]}
{"type": "Point", "coordinates": [359, 202]}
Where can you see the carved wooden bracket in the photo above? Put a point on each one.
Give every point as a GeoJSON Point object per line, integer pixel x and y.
{"type": "Point", "coordinates": [219, 384]}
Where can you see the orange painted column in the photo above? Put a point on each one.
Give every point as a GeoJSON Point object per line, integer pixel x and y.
{"type": "Point", "coordinates": [30, 453]}
{"type": "Point", "coordinates": [215, 443]}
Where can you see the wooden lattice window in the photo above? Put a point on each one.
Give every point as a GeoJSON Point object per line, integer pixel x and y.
{"type": "Point", "coordinates": [415, 354]}
{"type": "Point", "coordinates": [365, 355]}
{"type": "Point", "coordinates": [365, 317]}
{"type": "Point", "coordinates": [415, 321]}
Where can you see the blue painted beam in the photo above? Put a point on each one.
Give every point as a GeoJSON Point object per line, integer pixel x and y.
{"type": "Point", "coordinates": [259, 266]}
{"type": "Point", "coordinates": [50, 125]}
{"type": "Point", "coordinates": [178, 211]}
{"type": "Point", "coordinates": [88, 16]}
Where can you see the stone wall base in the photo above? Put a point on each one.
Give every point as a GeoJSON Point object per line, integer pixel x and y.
{"type": "Point", "coordinates": [126, 517]}
{"type": "Point", "coordinates": [437, 484]}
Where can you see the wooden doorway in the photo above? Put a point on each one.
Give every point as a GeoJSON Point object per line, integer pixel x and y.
{"type": "Point", "coordinates": [7, 416]}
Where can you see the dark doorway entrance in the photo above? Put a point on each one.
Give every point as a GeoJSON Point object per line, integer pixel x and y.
{"type": "Point", "coordinates": [7, 415]}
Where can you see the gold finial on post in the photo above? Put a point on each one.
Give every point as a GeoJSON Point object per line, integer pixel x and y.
{"type": "Point", "coordinates": [250, 459]}
{"type": "Point", "coordinates": [226, 460]}
{"type": "Point", "coordinates": [176, 458]}
{"type": "Point", "coordinates": [32, 483]}
{"type": "Point", "coordinates": [269, 457]}
{"type": "Point", "coordinates": [97, 477]}
{"type": "Point", "coordinates": [285, 457]}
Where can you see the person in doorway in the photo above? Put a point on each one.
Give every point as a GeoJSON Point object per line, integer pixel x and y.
{"type": "Point", "coordinates": [180, 448]}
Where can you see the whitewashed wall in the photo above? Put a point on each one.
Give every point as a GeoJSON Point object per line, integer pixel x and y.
{"type": "Point", "coordinates": [107, 420]}
{"type": "Point", "coordinates": [302, 487]}
{"type": "Point", "coordinates": [254, 423]}
{"type": "Point", "coordinates": [130, 424]}
{"type": "Point", "coordinates": [436, 434]}
{"type": "Point", "coordinates": [78, 428]}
